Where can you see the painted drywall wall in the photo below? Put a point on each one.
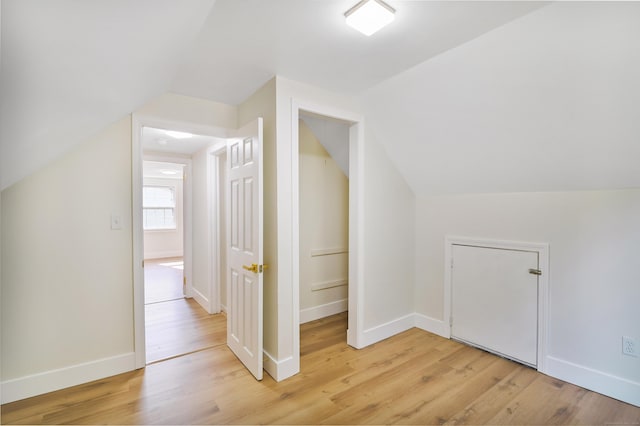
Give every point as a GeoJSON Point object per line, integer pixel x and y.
{"type": "Point", "coordinates": [186, 109]}
{"type": "Point", "coordinates": [324, 229]}
{"type": "Point", "coordinates": [202, 232]}
{"type": "Point", "coordinates": [593, 279]}
{"type": "Point", "coordinates": [546, 102]}
{"type": "Point", "coordinates": [262, 104]}
{"type": "Point", "coordinates": [66, 280]}
{"type": "Point", "coordinates": [389, 239]}
{"type": "Point", "coordinates": [67, 299]}
{"type": "Point", "coordinates": [163, 243]}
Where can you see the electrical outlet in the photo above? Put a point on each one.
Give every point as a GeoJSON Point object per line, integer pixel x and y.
{"type": "Point", "coordinates": [630, 346]}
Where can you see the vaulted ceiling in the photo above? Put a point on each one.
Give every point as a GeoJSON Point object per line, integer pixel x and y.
{"type": "Point", "coordinates": [464, 96]}
{"type": "Point", "coordinates": [71, 67]}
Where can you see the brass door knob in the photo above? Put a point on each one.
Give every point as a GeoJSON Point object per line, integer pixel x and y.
{"type": "Point", "coordinates": [253, 268]}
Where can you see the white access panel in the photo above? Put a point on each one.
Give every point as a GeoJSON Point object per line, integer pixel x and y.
{"type": "Point", "coordinates": [494, 300]}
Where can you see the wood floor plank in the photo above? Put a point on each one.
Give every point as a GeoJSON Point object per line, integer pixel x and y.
{"type": "Point", "coordinates": [489, 403]}
{"type": "Point", "coordinates": [181, 326]}
{"type": "Point", "coordinates": [412, 378]}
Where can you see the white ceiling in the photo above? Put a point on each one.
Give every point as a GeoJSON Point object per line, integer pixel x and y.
{"type": "Point", "coordinates": [548, 102]}
{"type": "Point", "coordinates": [157, 140]}
{"type": "Point", "coordinates": [162, 170]}
{"type": "Point", "coordinates": [70, 68]}
{"type": "Point", "coordinates": [246, 42]}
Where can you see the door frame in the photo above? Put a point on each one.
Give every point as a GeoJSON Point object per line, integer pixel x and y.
{"type": "Point", "coordinates": [138, 121]}
{"type": "Point", "coordinates": [216, 202]}
{"type": "Point", "coordinates": [543, 283]}
{"type": "Point", "coordinates": [355, 335]}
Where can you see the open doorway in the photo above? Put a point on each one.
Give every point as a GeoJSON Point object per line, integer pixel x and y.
{"type": "Point", "coordinates": [177, 201]}
{"type": "Point", "coordinates": [324, 217]}
{"type": "Point", "coordinates": [324, 223]}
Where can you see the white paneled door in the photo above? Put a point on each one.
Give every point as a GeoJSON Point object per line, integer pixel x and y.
{"type": "Point", "coordinates": [494, 300]}
{"type": "Point", "coordinates": [245, 258]}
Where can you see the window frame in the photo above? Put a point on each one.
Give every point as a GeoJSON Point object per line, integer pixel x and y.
{"type": "Point", "coordinates": [171, 207]}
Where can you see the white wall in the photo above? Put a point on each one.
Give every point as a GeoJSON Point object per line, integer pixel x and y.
{"type": "Point", "coordinates": [194, 111]}
{"type": "Point", "coordinates": [67, 295]}
{"type": "Point", "coordinates": [324, 226]}
{"type": "Point", "coordinates": [66, 276]}
{"type": "Point", "coordinates": [547, 102]}
{"type": "Point", "coordinates": [166, 242]}
{"type": "Point", "coordinates": [389, 241]}
{"type": "Point", "coordinates": [202, 231]}
{"type": "Point", "coordinates": [593, 238]}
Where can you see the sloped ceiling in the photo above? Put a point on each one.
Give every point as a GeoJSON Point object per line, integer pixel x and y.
{"type": "Point", "coordinates": [246, 42]}
{"type": "Point", "coordinates": [70, 67]}
{"type": "Point", "coordinates": [333, 135]}
{"type": "Point", "coordinates": [548, 102]}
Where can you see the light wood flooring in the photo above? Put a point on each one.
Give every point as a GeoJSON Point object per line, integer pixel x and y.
{"type": "Point", "coordinates": [163, 279]}
{"type": "Point", "coordinates": [181, 326]}
{"type": "Point", "coordinates": [412, 378]}
{"type": "Point", "coordinates": [174, 325]}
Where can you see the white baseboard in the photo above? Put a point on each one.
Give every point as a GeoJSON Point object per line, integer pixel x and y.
{"type": "Point", "coordinates": [279, 369]}
{"type": "Point", "coordinates": [163, 254]}
{"type": "Point", "coordinates": [595, 380]}
{"type": "Point", "coordinates": [317, 312]}
{"type": "Point", "coordinates": [387, 330]}
{"type": "Point", "coordinates": [432, 325]}
{"type": "Point", "coordinates": [49, 381]}
{"type": "Point", "coordinates": [202, 300]}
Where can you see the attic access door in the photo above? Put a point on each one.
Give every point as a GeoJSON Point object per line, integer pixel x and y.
{"type": "Point", "coordinates": [245, 238]}
{"type": "Point", "coordinates": [495, 300]}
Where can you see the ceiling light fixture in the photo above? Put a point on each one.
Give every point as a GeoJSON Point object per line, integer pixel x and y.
{"type": "Point", "coordinates": [178, 135]}
{"type": "Point", "coordinates": [369, 16]}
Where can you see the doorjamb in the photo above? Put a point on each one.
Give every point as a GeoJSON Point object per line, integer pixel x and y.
{"type": "Point", "coordinates": [355, 336]}
{"type": "Point", "coordinates": [217, 200]}
{"type": "Point", "coordinates": [543, 283]}
{"type": "Point", "coordinates": [138, 121]}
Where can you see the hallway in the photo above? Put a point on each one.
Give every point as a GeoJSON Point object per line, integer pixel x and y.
{"type": "Point", "coordinates": [175, 325]}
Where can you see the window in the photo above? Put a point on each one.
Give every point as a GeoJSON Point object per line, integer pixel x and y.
{"type": "Point", "coordinates": [158, 207]}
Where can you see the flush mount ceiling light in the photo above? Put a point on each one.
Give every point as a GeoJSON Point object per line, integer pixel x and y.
{"type": "Point", "coordinates": [369, 16]}
{"type": "Point", "coordinates": [178, 135]}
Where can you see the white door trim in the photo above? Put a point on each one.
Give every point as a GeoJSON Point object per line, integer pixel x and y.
{"type": "Point", "coordinates": [543, 282]}
{"type": "Point", "coordinates": [355, 336]}
{"type": "Point", "coordinates": [217, 198]}
{"type": "Point", "coordinates": [138, 121]}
